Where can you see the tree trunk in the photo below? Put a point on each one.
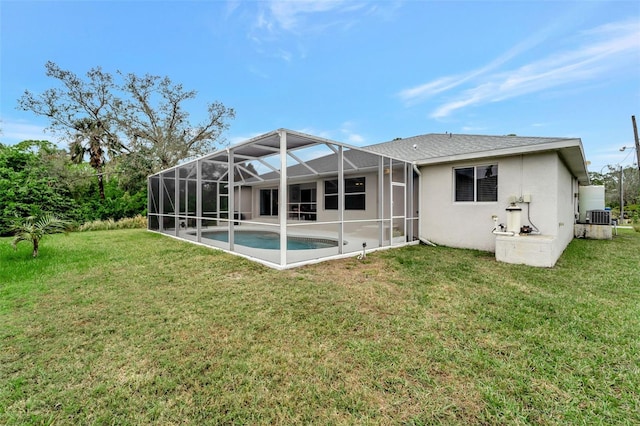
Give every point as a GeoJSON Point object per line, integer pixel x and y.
{"type": "Point", "coordinates": [35, 247]}
{"type": "Point", "coordinates": [101, 187]}
{"type": "Point", "coordinates": [100, 182]}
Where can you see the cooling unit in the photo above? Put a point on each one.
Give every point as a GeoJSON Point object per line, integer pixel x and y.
{"type": "Point", "coordinates": [599, 217]}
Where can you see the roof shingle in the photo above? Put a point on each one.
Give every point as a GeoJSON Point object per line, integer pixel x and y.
{"type": "Point", "coordinates": [434, 145]}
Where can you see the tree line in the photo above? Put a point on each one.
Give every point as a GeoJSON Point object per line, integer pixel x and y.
{"type": "Point", "coordinates": [119, 128]}
{"type": "Point", "coordinates": [616, 180]}
{"type": "Point", "coordinates": [37, 177]}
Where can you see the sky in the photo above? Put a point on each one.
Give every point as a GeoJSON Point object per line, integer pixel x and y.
{"type": "Point", "coordinates": [357, 72]}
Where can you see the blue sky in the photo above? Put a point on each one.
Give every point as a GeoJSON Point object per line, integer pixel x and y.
{"type": "Point", "coordinates": [359, 72]}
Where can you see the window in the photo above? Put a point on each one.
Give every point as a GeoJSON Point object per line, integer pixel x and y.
{"type": "Point", "coordinates": [354, 197]}
{"type": "Point", "coordinates": [268, 202]}
{"type": "Point", "coordinates": [476, 184]}
{"type": "Point", "coordinates": [354, 194]}
{"type": "Point", "coordinates": [302, 201]}
{"type": "Point", "coordinates": [331, 194]}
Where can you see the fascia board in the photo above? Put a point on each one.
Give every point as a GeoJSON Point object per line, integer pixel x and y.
{"type": "Point", "coordinates": [554, 146]}
{"type": "Point", "coordinates": [568, 149]}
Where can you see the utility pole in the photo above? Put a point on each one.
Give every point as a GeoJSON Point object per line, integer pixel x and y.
{"type": "Point", "coordinates": [635, 134]}
{"type": "Point", "coordinates": [621, 220]}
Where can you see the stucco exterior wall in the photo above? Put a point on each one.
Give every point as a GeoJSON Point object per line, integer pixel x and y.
{"type": "Point", "coordinates": [323, 215]}
{"type": "Point", "coordinates": [445, 222]}
{"type": "Point", "coordinates": [543, 177]}
{"type": "Point", "coordinates": [243, 203]}
{"type": "Point", "coordinates": [371, 201]}
{"type": "Point", "coordinates": [567, 208]}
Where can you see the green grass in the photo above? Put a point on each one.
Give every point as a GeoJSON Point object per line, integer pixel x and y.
{"type": "Point", "coordinates": [130, 327]}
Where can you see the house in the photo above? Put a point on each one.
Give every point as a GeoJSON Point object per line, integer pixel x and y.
{"type": "Point", "coordinates": [466, 181]}
{"type": "Point", "coordinates": [321, 199]}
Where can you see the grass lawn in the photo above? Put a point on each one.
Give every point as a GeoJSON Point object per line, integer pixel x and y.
{"type": "Point", "coordinates": [130, 327]}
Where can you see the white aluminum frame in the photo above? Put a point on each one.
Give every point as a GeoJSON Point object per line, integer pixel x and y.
{"type": "Point", "coordinates": [280, 145]}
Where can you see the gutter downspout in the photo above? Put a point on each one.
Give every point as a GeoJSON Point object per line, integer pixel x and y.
{"type": "Point", "coordinates": [420, 237]}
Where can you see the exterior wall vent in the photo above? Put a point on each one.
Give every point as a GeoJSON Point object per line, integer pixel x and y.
{"type": "Point", "coordinates": [599, 217]}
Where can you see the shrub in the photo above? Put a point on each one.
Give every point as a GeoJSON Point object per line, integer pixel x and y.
{"type": "Point", "coordinates": [137, 221]}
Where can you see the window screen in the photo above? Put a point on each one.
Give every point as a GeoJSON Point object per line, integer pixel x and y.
{"type": "Point", "coordinates": [478, 183]}
{"type": "Point", "coordinates": [354, 197]}
{"type": "Point", "coordinates": [464, 184]}
{"type": "Point", "coordinates": [487, 183]}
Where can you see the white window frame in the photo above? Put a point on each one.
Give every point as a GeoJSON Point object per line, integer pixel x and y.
{"type": "Point", "coordinates": [362, 193]}
{"type": "Point", "coordinates": [476, 169]}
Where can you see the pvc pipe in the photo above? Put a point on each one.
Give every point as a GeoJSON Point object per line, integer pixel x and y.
{"type": "Point", "coordinates": [427, 242]}
{"type": "Point", "coordinates": [509, 233]}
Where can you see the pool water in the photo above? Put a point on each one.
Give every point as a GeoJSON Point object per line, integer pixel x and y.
{"type": "Point", "coordinates": [270, 240]}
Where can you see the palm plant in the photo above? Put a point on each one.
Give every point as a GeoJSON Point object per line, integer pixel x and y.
{"type": "Point", "coordinates": [92, 138]}
{"type": "Point", "coordinates": [33, 229]}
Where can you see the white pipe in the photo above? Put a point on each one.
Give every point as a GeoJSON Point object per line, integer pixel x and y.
{"type": "Point", "coordinates": [495, 229]}
{"type": "Point", "coordinates": [509, 233]}
{"type": "Point", "coordinates": [427, 242]}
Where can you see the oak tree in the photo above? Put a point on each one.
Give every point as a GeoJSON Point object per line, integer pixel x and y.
{"type": "Point", "coordinates": [153, 117]}
{"type": "Point", "coordinates": [130, 118]}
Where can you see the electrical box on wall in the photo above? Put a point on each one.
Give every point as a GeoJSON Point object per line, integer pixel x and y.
{"type": "Point", "coordinates": [526, 198]}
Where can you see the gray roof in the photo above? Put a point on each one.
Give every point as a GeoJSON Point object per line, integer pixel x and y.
{"type": "Point", "coordinates": [356, 160]}
{"type": "Point", "coordinates": [436, 148]}
{"type": "Point", "coordinates": [432, 148]}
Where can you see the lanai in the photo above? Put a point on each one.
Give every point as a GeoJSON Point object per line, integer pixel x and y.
{"type": "Point", "coordinates": [337, 198]}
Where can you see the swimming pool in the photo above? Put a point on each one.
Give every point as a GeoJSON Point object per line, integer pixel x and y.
{"type": "Point", "coordinates": [270, 240]}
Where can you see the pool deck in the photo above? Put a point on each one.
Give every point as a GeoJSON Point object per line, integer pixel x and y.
{"type": "Point", "coordinates": [353, 243]}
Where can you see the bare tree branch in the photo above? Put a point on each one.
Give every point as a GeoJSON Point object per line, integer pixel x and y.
{"type": "Point", "coordinates": [142, 115]}
{"type": "Point", "coordinates": [154, 117]}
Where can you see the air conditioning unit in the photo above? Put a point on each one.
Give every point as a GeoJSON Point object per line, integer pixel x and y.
{"type": "Point", "coordinates": [599, 217]}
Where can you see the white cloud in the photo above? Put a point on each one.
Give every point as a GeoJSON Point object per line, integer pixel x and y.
{"type": "Point", "coordinates": [18, 131]}
{"type": "Point", "coordinates": [290, 15]}
{"type": "Point", "coordinates": [311, 131]}
{"type": "Point", "coordinates": [355, 139]}
{"type": "Point", "coordinates": [605, 48]}
{"type": "Point", "coordinates": [349, 135]}
{"type": "Point", "coordinates": [470, 97]}
{"type": "Point", "coordinates": [419, 93]}
{"type": "Point", "coordinates": [234, 140]}
{"type": "Point", "coordinates": [276, 21]}
{"type": "Point", "coordinates": [313, 153]}
{"type": "Point", "coordinates": [317, 15]}
{"type": "Point", "coordinates": [232, 5]}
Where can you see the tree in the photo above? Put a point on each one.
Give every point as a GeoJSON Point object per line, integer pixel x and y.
{"type": "Point", "coordinates": [33, 180]}
{"type": "Point", "coordinates": [153, 118]}
{"type": "Point", "coordinates": [80, 110]}
{"type": "Point", "coordinates": [33, 229]}
{"type": "Point", "coordinates": [92, 138]}
{"type": "Point", "coordinates": [132, 170]}
{"type": "Point", "coordinates": [611, 182]}
{"type": "Point", "coordinates": [137, 116]}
